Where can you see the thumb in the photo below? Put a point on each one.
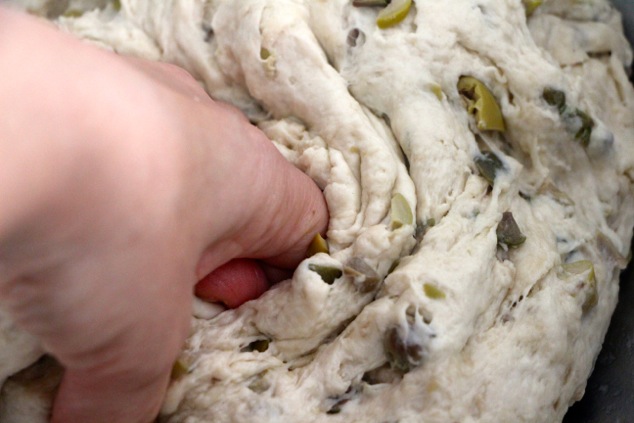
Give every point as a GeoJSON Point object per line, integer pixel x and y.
{"type": "Point", "coordinates": [271, 209]}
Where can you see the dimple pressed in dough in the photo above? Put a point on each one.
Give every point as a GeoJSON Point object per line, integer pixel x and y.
{"type": "Point", "coordinates": [430, 318]}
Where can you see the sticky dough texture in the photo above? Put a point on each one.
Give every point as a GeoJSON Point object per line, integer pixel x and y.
{"type": "Point", "coordinates": [508, 340]}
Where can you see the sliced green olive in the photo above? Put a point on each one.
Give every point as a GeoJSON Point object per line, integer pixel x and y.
{"type": "Point", "coordinates": [328, 273]}
{"type": "Point", "coordinates": [378, 3]}
{"type": "Point", "coordinates": [531, 5]}
{"type": "Point", "coordinates": [394, 13]}
{"type": "Point", "coordinates": [400, 212]}
{"type": "Point", "coordinates": [259, 345]}
{"type": "Point", "coordinates": [433, 292]}
{"type": "Point", "coordinates": [482, 104]}
{"type": "Point", "coordinates": [587, 124]}
{"type": "Point", "coordinates": [264, 53]}
{"type": "Point", "coordinates": [489, 164]}
{"type": "Point", "coordinates": [584, 269]}
{"type": "Point", "coordinates": [317, 245]}
{"type": "Point", "coordinates": [556, 98]}
{"type": "Point", "coordinates": [116, 5]}
{"type": "Point", "coordinates": [179, 369]}
{"type": "Point", "coordinates": [437, 90]}
{"type": "Point", "coordinates": [576, 121]}
{"type": "Point", "coordinates": [508, 232]}
{"type": "Point", "coordinates": [73, 13]}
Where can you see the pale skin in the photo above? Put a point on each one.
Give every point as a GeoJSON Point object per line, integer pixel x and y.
{"type": "Point", "coordinates": [122, 185]}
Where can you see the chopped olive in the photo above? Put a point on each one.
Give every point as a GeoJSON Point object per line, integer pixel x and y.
{"type": "Point", "coordinates": [531, 5]}
{"type": "Point", "coordinates": [264, 53]}
{"type": "Point", "coordinates": [508, 232]}
{"type": "Point", "coordinates": [433, 292]}
{"type": "Point", "coordinates": [259, 384]}
{"type": "Point", "coordinates": [583, 269]}
{"type": "Point", "coordinates": [116, 5]}
{"type": "Point", "coordinates": [401, 213]}
{"type": "Point", "coordinates": [481, 103]}
{"type": "Point", "coordinates": [328, 273]}
{"type": "Point", "coordinates": [393, 13]}
{"type": "Point", "coordinates": [317, 245]}
{"type": "Point", "coordinates": [555, 98]}
{"type": "Point", "coordinates": [179, 369]}
{"type": "Point", "coordinates": [577, 121]}
{"type": "Point", "coordinates": [489, 164]}
{"type": "Point", "coordinates": [259, 345]}
{"type": "Point", "coordinates": [587, 124]}
{"type": "Point", "coordinates": [379, 3]}
{"type": "Point", "coordinates": [365, 278]}
{"type": "Point", "coordinates": [437, 90]}
{"type": "Point", "coordinates": [73, 13]}
{"type": "Point", "coordinates": [401, 353]}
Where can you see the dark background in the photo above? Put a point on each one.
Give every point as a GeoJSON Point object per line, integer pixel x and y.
{"type": "Point", "coordinates": [609, 396]}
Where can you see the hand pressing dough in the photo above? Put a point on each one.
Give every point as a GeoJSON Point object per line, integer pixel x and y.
{"type": "Point", "coordinates": [477, 161]}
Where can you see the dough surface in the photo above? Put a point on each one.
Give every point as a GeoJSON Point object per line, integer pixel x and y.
{"type": "Point", "coordinates": [434, 314]}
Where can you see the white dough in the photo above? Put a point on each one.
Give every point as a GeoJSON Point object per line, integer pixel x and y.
{"type": "Point", "coordinates": [462, 329]}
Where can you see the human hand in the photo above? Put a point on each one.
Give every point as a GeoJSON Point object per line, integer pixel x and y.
{"type": "Point", "coordinates": [127, 185]}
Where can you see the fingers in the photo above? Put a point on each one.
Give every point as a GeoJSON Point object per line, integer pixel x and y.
{"type": "Point", "coordinates": [90, 397]}
{"type": "Point", "coordinates": [233, 283]}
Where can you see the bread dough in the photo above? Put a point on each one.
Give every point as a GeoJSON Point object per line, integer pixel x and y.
{"type": "Point", "coordinates": [431, 318]}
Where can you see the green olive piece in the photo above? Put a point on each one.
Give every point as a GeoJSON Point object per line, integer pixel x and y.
{"type": "Point", "coordinates": [363, 3]}
{"type": "Point", "coordinates": [328, 273]}
{"type": "Point", "coordinates": [531, 5]}
{"type": "Point", "coordinates": [73, 13]}
{"type": "Point", "coordinates": [508, 232]}
{"type": "Point", "coordinates": [264, 53]}
{"type": "Point", "coordinates": [317, 245]}
{"type": "Point", "coordinates": [400, 212]}
{"type": "Point", "coordinates": [259, 345]}
{"type": "Point", "coordinates": [587, 124]}
{"type": "Point", "coordinates": [179, 369]}
{"type": "Point", "coordinates": [401, 354]}
{"type": "Point", "coordinates": [585, 270]}
{"type": "Point", "coordinates": [116, 5]}
{"type": "Point", "coordinates": [394, 13]}
{"type": "Point", "coordinates": [556, 98]}
{"type": "Point", "coordinates": [433, 292]}
{"type": "Point", "coordinates": [489, 164]}
{"type": "Point", "coordinates": [482, 104]}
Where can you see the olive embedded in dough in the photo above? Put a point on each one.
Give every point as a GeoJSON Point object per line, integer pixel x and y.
{"type": "Point", "coordinates": [179, 369]}
{"type": "Point", "coordinates": [433, 292]}
{"type": "Point", "coordinates": [508, 232]}
{"type": "Point", "coordinates": [556, 98]}
{"type": "Point", "coordinates": [489, 164]}
{"type": "Point", "coordinates": [582, 273]}
{"type": "Point", "coordinates": [259, 345]}
{"type": "Point", "coordinates": [394, 13]}
{"type": "Point", "coordinates": [400, 212]}
{"type": "Point", "coordinates": [481, 103]}
{"type": "Point", "coordinates": [403, 354]}
{"type": "Point", "coordinates": [379, 3]}
{"type": "Point", "coordinates": [328, 273]}
{"type": "Point", "coordinates": [317, 245]}
{"type": "Point", "coordinates": [531, 5]}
